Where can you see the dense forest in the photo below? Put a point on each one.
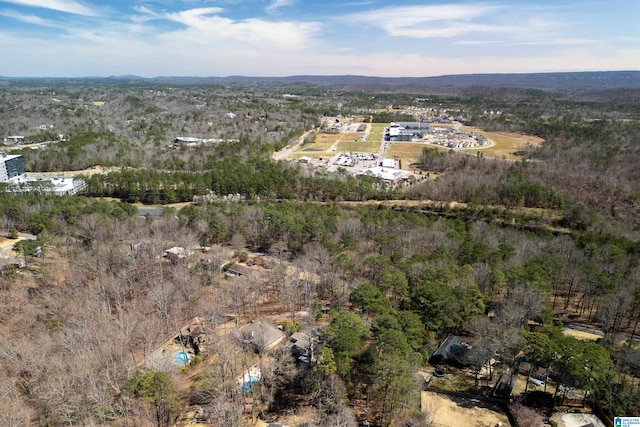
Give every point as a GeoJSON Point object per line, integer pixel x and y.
{"type": "Point", "coordinates": [383, 275]}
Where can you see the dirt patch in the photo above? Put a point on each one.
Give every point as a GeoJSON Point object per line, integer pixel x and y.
{"type": "Point", "coordinates": [6, 245]}
{"type": "Point", "coordinates": [521, 384]}
{"type": "Point", "coordinates": [6, 242]}
{"type": "Point", "coordinates": [448, 411]}
{"type": "Point", "coordinates": [581, 335]}
{"type": "Point", "coordinates": [70, 174]}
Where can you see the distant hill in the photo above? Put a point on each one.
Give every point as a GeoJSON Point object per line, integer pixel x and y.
{"type": "Point", "coordinates": [590, 80]}
{"type": "Point", "coordinates": [581, 80]}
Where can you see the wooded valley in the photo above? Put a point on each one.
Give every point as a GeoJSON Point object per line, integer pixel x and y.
{"type": "Point", "coordinates": [501, 253]}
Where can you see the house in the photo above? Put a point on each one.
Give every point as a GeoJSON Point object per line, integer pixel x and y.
{"type": "Point", "coordinates": [193, 335]}
{"type": "Point", "coordinates": [12, 139]}
{"type": "Point", "coordinates": [260, 336]}
{"type": "Point", "coordinates": [177, 253]}
{"type": "Point", "coordinates": [238, 270]}
{"type": "Point", "coordinates": [454, 352]}
{"type": "Point", "coordinates": [451, 351]}
{"type": "Point", "coordinates": [299, 343]}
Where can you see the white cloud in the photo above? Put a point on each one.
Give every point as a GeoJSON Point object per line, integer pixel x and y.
{"type": "Point", "coordinates": [276, 4]}
{"type": "Point", "coordinates": [67, 6]}
{"type": "Point", "coordinates": [29, 19]}
{"type": "Point", "coordinates": [435, 21]}
{"type": "Point", "coordinates": [480, 24]}
{"type": "Point", "coordinates": [205, 26]}
{"type": "Point", "coordinates": [393, 17]}
{"type": "Point", "coordinates": [358, 3]}
{"type": "Point", "coordinates": [117, 50]}
{"type": "Point", "coordinates": [208, 41]}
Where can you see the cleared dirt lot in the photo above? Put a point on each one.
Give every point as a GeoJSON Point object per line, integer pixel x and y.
{"type": "Point", "coordinates": [452, 411]}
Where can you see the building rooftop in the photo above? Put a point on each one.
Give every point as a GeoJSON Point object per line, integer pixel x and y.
{"type": "Point", "coordinates": [5, 156]}
{"type": "Point", "coordinates": [387, 174]}
{"type": "Point", "coordinates": [61, 186]}
{"type": "Point", "coordinates": [261, 335]}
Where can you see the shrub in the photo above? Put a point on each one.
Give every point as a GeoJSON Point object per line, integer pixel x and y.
{"type": "Point", "coordinates": [525, 416]}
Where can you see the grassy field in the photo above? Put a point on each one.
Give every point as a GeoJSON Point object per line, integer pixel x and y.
{"type": "Point", "coordinates": [507, 144]}
{"type": "Point", "coordinates": [322, 143]}
{"type": "Point", "coordinates": [359, 146]}
{"type": "Point", "coordinates": [377, 129]}
{"type": "Point", "coordinates": [407, 152]}
{"type": "Point", "coordinates": [350, 136]}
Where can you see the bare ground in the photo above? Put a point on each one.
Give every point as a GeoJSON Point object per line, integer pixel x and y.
{"type": "Point", "coordinates": [450, 411]}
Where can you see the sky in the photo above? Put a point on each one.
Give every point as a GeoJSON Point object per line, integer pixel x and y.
{"type": "Point", "coordinates": [404, 38]}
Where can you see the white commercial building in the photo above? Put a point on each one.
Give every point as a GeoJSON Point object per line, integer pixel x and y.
{"type": "Point", "coordinates": [58, 186]}
{"type": "Point", "coordinates": [392, 176]}
{"type": "Point", "coordinates": [12, 172]}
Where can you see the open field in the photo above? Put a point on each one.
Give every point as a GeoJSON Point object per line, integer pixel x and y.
{"type": "Point", "coordinates": [350, 137]}
{"type": "Point", "coordinates": [408, 152]}
{"type": "Point", "coordinates": [507, 144]}
{"type": "Point", "coordinates": [377, 129]}
{"type": "Point", "coordinates": [321, 143]}
{"type": "Point", "coordinates": [359, 146]}
{"type": "Point", "coordinates": [449, 411]}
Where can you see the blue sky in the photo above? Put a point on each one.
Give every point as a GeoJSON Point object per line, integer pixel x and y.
{"type": "Point", "coordinates": [287, 37]}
